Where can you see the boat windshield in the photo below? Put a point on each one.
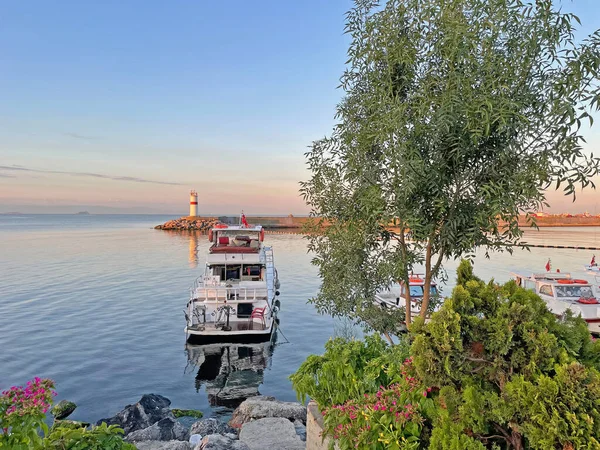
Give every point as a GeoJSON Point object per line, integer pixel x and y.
{"type": "Point", "coordinates": [417, 291]}
{"type": "Point", "coordinates": [574, 291]}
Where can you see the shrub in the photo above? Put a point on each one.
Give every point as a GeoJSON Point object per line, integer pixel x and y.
{"type": "Point", "coordinates": [22, 423]}
{"type": "Point", "coordinates": [347, 370]}
{"type": "Point", "coordinates": [102, 437]}
{"type": "Point", "coordinates": [395, 417]}
{"type": "Point", "coordinates": [492, 369]}
{"type": "Point", "coordinates": [22, 414]}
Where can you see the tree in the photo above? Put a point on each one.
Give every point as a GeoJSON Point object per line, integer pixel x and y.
{"type": "Point", "coordinates": [510, 375]}
{"type": "Point", "coordinates": [457, 115]}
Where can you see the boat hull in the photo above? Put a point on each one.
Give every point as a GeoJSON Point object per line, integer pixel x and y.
{"type": "Point", "coordinates": [228, 337]}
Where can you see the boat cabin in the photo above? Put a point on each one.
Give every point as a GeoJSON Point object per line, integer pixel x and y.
{"type": "Point", "coordinates": [558, 286]}
{"type": "Point", "coordinates": [236, 239]}
{"type": "Point", "coordinates": [396, 296]}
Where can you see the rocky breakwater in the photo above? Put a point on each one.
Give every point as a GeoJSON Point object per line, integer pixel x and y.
{"type": "Point", "coordinates": [258, 423]}
{"type": "Point", "coordinates": [189, 224]}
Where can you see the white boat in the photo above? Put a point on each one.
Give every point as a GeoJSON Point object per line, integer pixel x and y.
{"type": "Point", "coordinates": [561, 292]}
{"type": "Point", "coordinates": [395, 297]}
{"type": "Point", "coordinates": [235, 299]}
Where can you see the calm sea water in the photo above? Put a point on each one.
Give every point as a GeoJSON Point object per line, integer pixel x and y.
{"type": "Point", "coordinates": [95, 303]}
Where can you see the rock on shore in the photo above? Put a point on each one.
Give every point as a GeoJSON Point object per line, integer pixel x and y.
{"type": "Point", "coordinates": [188, 223]}
{"type": "Point", "coordinates": [263, 423]}
{"type": "Point", "coordinates": [261, 407]}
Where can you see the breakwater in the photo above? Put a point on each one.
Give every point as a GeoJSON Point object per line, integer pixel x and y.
{"type": "Point", "coordinates": [204, 223]}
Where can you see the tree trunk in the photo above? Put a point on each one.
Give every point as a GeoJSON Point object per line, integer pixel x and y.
{"type": "Point", "coordinates": [408, 312]}
{"type": "Point", "coordinates": [517, 440]}
{"type": "Point", "coordinates": [427, 281]}
{"type": "Point", "coordinates": [388, 337]}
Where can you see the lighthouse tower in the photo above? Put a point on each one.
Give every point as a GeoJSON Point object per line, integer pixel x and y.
{"type": "Point", "coordinates": [193, 203]}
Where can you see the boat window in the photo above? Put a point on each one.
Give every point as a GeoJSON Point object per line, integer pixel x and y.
{"type": "Point", "coordinates": [251, 272]}
{"type": "Point", "coordinates": [546, 289]}
{"type": "Point", "coordinates": [574, 291]}
{"type": "Point", "coordinates": [528, 284]}
{"type": "Point", "coordinates": [417, 291]}
{"type": "Point", "coordinates": [232, 272]}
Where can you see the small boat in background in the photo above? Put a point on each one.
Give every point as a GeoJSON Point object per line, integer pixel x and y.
{"type": "Point", "coordinates": [561, 292]}
{"type": "Point", "coordinates": [235, 299]}
{"type": "Point", "coordinates": [395, 296]}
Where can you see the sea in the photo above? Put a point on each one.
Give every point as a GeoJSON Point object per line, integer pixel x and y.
{"type": "Point", "coordinates": [95, 302]}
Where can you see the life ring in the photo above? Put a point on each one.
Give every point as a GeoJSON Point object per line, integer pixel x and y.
{"type": "Point", "coordinates": [415, 280]}
{"type": "Point", "coordinates": [581, 281]}
{"type": "Point", "coordinates": [221, 225]}
{"type": "Point", "coordinates": [262, 235]}
{"type": "Point", "coordinates": [566, 281]}
{"type": "Point", "coordinates": [588, 301]}
{"type": "Point", "coordinates": [210, 235]}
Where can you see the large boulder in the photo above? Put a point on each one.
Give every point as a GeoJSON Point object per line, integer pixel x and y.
{"type": "Point", "coordinates": [166, 429]}
{"type": "Point", "coordinates": [261, 407]}
{"type": "Point", "coordinates": [211, 425]}
{"type": "Point", "coordinates": [150, 409]}
{"type": "Point", "coordinates": [63, 409]}
{"type": "Point", "coordinates": [271, 433]}
{"type": "Point", "coordinates": [162, 445]}
{"type": "Point", "coordinates": [218, 442]}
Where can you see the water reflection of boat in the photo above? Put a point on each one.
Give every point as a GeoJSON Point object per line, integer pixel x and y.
{"type": "Point", "coordinates": [230, 372]}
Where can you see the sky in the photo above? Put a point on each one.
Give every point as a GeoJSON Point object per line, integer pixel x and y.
{"type": "Point", "coordinates": [125, 106]}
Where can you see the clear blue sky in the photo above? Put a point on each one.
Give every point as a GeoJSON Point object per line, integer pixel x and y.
{"type": "Point", "coordinates": [129, 104]}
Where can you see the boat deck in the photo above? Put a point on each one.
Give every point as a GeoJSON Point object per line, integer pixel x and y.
{"type": "Point", "coordinates": [209, 327]}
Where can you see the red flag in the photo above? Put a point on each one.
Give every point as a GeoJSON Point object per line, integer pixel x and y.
{"type": "Point", "coordinates": [244, 221]}
{"type": "Point", "coordinates": [548, 267]}
{"type": "Point", "coordinates": [593, 263]}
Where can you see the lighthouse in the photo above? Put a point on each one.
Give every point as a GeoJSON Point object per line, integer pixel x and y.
{"type": "Point", "coordinates": [193, 203]}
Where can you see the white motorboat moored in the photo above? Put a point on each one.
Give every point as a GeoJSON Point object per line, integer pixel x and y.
{"type": "Point", "coordinates": [561, 292]}
{"type": "Point", "coordinates": [395, 297]}
{"type": "Point", "coordinates": [235, 299]}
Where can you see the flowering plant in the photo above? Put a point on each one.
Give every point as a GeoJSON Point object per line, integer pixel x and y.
{"type": "Point", "coordinates": [22, 414]}
{"type": "Point", "coordinates": [392, 418]}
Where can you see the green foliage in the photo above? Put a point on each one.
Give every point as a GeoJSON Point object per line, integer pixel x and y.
{"type": "Point", "coordinates": [22, 414]}
{"type": "Point", "coordinates": [395, 417]}
{"type": "Point", "coordinates": [102, 437]}
{"type": "Point", "coordinates": [509, 372]}
{"type": "Point", "coordinates": [464, 273]}
{"type": "Point", "coordinates": [492, 369]}
{"type": "Point", "coordinates": [457, 116]}
{"type": "Point", "coordinates": [22, 423]}
{"type": "Point", "coordinates": [348, 369]}
{"type": "Point", "coordinates": [187, 413]}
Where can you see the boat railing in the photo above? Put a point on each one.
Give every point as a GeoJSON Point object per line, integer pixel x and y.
{"type": "Point", "coordinates": [229, 293]}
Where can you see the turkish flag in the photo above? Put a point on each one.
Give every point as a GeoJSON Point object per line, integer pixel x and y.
{"type": "Point", "coordinates": [548, 266]}
{"type": "Point", "coordinates": [593, 260]}
{"type": "Point", "coordinates": [244, 221]}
